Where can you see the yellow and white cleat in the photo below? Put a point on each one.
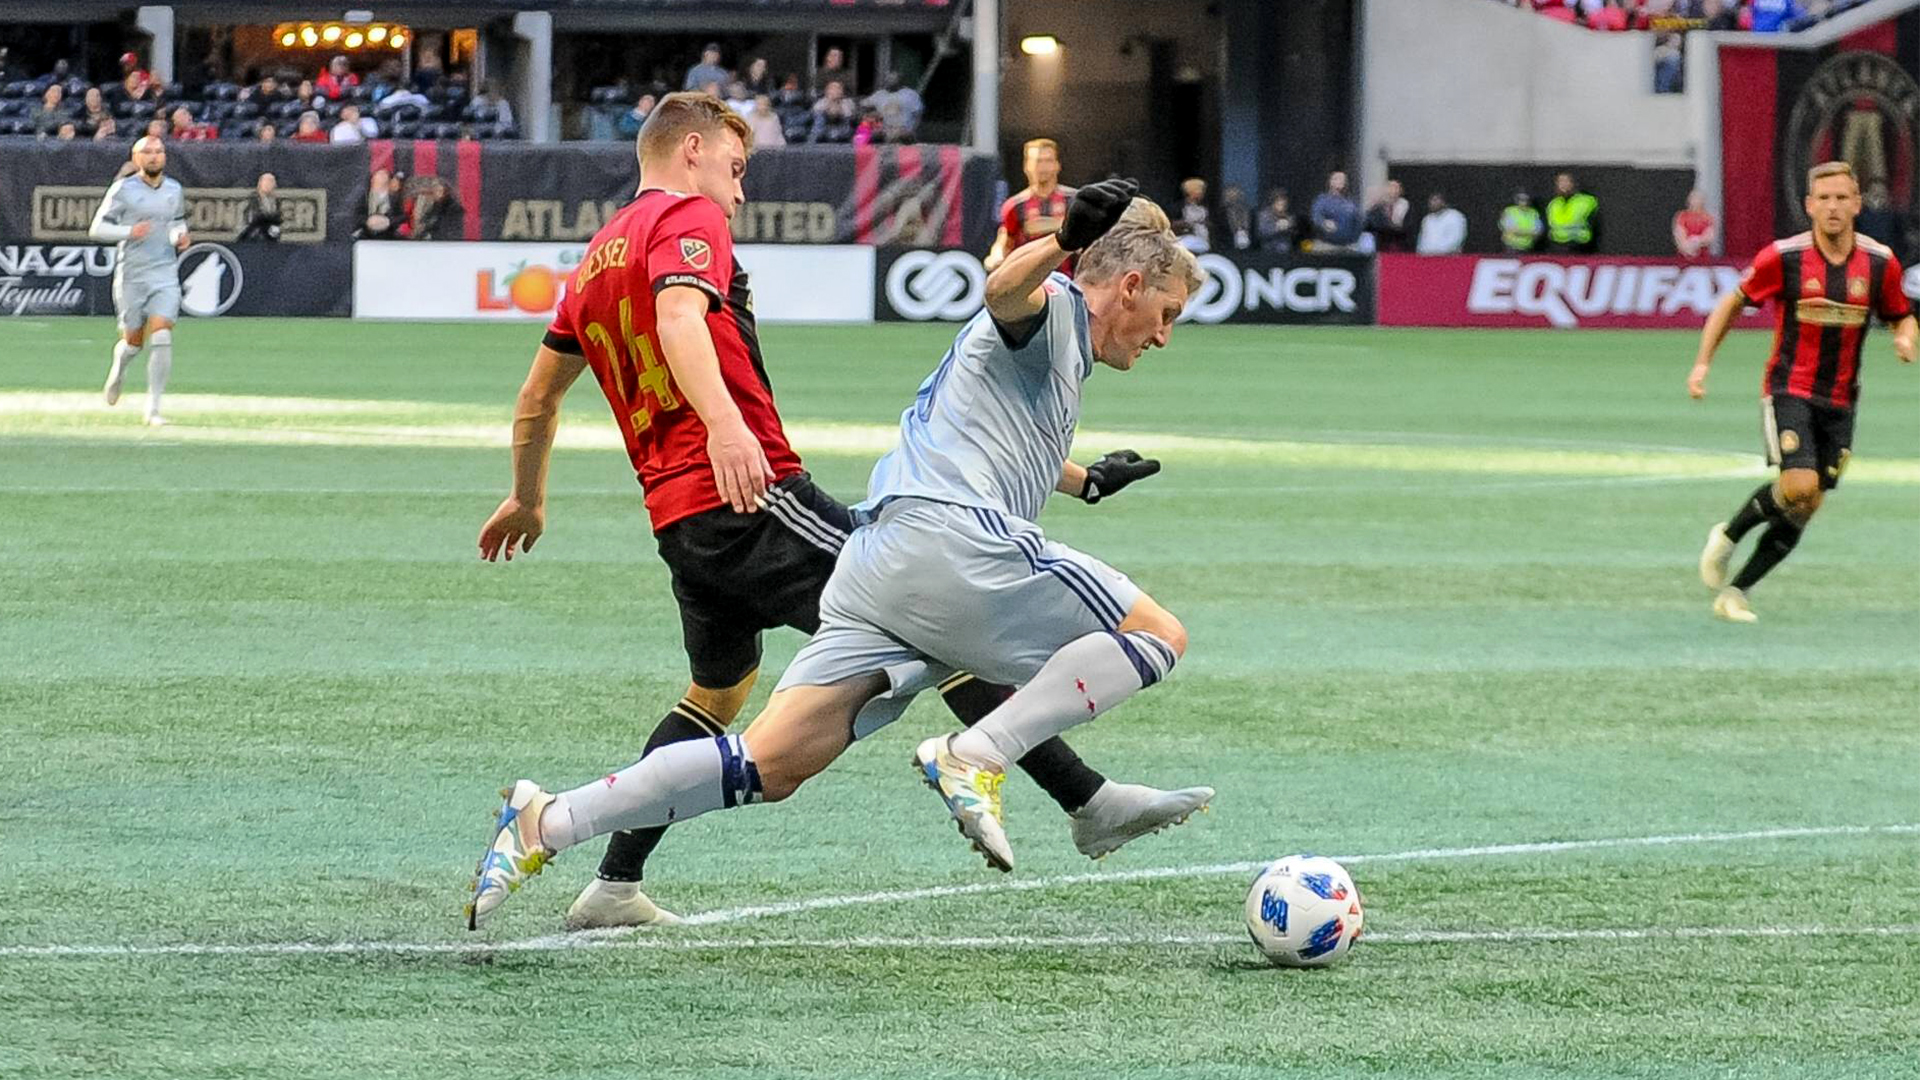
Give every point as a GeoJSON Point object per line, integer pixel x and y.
{"type": "Point", "coordinates": [1120, 813]}
{"type": "Point", "coordinates": [514, 855]}
{"type": "Point", "coordinates": [972, 795]}
{"type": "Point", "coordinates": [604, 904]}
{"type": "Point", "coordinates": [1731, 604]}
{"type": "Point", "coordinates": [1715, 556]}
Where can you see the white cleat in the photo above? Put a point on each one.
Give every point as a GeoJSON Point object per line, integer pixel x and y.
{"type": "Point", "coordinates": [1119, 813]}
{"type": "Point", "coordinates": [514, 854]}
{"type": "Point", "coordinates": [156, 420]}
{"type": "Point", "coordinates": [972, 795]}
{"type": "Point", "coordinates": [1715, 557]}
{"type": "Point", "coordinates": [115, 376]}
{"type": "Point", "coordinates": [1731, 605]}
{"type": "Point", "coordinates": [603, 904]}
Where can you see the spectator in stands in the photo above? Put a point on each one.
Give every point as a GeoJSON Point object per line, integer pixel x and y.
{"type": "Point", "coordinates": [426, 73]}
{"type": "Point", "coordinates": [765, 124]}
{"type": "Point", "coordinates": [1573, 218]}
{"type": "Point", "coordinates": [67, 131]}
{"type": "Point", "coordinates": [632, 119]}
{"type": "Point", "coordinates": [1387, 219]}
{"type": "Point", "coordinates": [1607, 15]}
{"type": "Point", "coordinates": [105, 129]}
{"type": "Point", "coordinates": [183, 128]}
{"type": "Point", "coordinates": [1877, 218]}
{"type": "Point", "coordinates": [1721, 14]}
{"type": "Point", "coordinates": [758, 79]}
{"type": "Point", "coordinates": [1520, 225]}
{"type": "Point", "coordinates": [1237, 216]}
{"type": "Point", "coordinates": [157, 128]}
{"type": "Point", "coordinates": [1694, 231]}
{"type": "Point", "coordinates": [435, 212]}
{"type": "Point", "coordinates": [1773, 15]}
{"type": "Point", "coordinates": [1669, 64]}
{"type": "Point", "coordinates": [268, 90]}
{"type": "Point", "coordinates": [708, 70]}
{"type": "Point", "coordinates": [308, 130]}
{"type": "Point", "coordinates": [833, 116]}
{"type": "Point", "coordinates": [502, 108]}
{"type": "Point", "coordinates": [354, 128]}
{"type": "Point", "coordinates": [1274, 224]}
{"type": "Point", "coordinates": [130, 70]}
{"type": "Point", "coordinates": [899, 107]}
{"type": "Point", "coordinates": [380, 219]}
{"type": "Point", "coordinates": [738, 100]}
{"type": "Point", "coordinates": [1443, 230]}
{"type": "Point", "coordinates": [401, 98]}
{"type": "Point", "coordinates": [335, 82]}
{"type": "Point", "coordinates": [1193, 222]}
{"type": "Point", "coordinates": [94, 110]}
{"type": "Point", "coordinates": [263, 211]}
{"type": "Point", "coordinates": [308, 97]}
{"type": "Point", "coordinates": [62, 71]}
{"type": "Point", "coordinates": [266, 133]}
{"type": "Point", "coordinates": [52, 112]}
{"type": "Point", "coordinates": [868, 130]}
{"type": "Point", "coordinates": [833, 69]}
{"type": "Point", "coordinates": [6, 73]}
{"type": "Point", "coordinates": [1336, 220]}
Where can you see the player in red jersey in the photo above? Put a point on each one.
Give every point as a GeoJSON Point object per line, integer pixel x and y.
{"type": "Point", "coordinates": [662, 314]}
{"type": "Point", "coordinates": [1825, 285]}
{"type": "Point", "coordinates": [1036, 210]}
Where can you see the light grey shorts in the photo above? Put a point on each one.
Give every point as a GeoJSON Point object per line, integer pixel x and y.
{"type": "Point", "coordinates": [138, 301]}
{"type": "Point", "coordinates": [932, 588]}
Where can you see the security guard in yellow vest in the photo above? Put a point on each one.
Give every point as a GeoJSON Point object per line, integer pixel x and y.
{"type": "Point", "coordinates": [1573, 225]}
{"type": "Point", "coordinates": [1520, 226]}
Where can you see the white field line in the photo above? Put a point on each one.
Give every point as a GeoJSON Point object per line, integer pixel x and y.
{"type": "Point", "coordinates": [670, 941]}
{"type": "Point", "coordinates": [589, 940]}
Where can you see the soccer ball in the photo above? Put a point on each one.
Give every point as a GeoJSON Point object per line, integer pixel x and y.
{"type": "Point", "coordinates": [1304, 911]}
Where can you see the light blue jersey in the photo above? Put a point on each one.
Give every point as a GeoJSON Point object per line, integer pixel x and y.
{"type": "Point", "coordinates": [991, 427]}
{"type": "Point", "coordinates": [151, 261]}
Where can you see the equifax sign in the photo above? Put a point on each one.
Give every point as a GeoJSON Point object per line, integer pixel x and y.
{"type": "Point", "coordinates": [1465, 290]}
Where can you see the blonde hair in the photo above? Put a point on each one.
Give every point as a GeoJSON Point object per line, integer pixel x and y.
{"type": "Point", "coordinates": [677, 115]}
{"type": "Point", "coordinates": [1140, 241]}
{"type": "Point", "coordinates": [1031, 145]}
{"type": "Point", "coordinates": [1831, 168]}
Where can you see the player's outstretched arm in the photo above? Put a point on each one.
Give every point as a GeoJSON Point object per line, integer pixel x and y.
{"type": "Point", "coordinates": [741, 471]}
{"type": "Point", "coordinates": [106, 227]}
{"type": "Point", "coordinates": [997, 254]}
{"type": "Point", "coordinates": [521, 517]}
{"type": "Point", "coordinates": [1014, 295]}
{"type": "Point", "coordinates": [1711, 336]}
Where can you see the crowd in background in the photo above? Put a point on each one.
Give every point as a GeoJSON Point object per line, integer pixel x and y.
{"type": "Point", "coordinates": [825, 108]}
{"type": "Point", "coordinates": [335, 104]}
{"type": "Point", "coordinates": [1759, 16]}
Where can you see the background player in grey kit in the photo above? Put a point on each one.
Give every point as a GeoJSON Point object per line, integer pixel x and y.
{"type": "Point", "coordinates": [146, 214]}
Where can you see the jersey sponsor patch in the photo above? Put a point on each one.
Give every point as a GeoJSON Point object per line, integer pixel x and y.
{"type": "Point", "coordinates": [696, 252]}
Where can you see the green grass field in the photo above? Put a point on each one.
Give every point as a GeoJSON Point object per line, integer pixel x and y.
{"type": "Point", "coordinates": [258, 693]}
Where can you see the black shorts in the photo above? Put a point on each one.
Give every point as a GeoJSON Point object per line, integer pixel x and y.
{"type": "Point", "coordinates": [1804, 434]}
{"type": "Point", "coordinates": [735, 575]}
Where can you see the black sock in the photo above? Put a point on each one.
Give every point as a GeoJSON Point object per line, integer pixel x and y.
{"type": "Point", "coordinates": [627, 851]}
{"type": "Point", "coordinates": [1053, 764]}
{"type": "Point", "coordinates": [1760, 507]}
{"type": "Point", "coordinates": [1774, 545]}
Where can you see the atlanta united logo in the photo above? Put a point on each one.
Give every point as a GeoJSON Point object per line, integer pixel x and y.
{"type": "Point", "coordinates": [697, 253]}
{"type": "Point", "coordinates": [1862, 108]}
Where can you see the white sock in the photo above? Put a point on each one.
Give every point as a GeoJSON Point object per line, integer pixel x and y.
{"type": "Point", "coordinates": [159, 366]}
{"type": "Point", "coordinates": [123, 352]}
{"type": "Point", "coordinates": [1088, 676]}
{"type": "Point", "coordinates": [678, 781]}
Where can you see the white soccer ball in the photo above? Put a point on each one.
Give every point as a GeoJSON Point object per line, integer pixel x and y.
{"type": "Point", "coordinates": [1304, 911]}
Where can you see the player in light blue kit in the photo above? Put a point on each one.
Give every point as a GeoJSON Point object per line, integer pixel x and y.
{"type": "Point", "coordinates": [947, 571]}
{"type": "Point", "coordinates": [145, 212]}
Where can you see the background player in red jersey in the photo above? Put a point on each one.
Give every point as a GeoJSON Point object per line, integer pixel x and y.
{"type": "Point", "coordinates": [1036, 210]}
{"type": "Point", "coordinates": [662, 314]}
{"type": "Point", "coordinates": [1825, 285]}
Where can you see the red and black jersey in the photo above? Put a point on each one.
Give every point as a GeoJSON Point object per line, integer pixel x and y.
{"type": "Point", "coordinates": [659, 240]}
{"type": "Point", "coordinates": [1822, 310]}
{"type": "Point", "coordinates": [1028, 217]}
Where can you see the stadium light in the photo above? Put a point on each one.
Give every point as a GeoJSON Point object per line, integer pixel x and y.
{"type": "Point", "coordinates": [1040, 45]}
{"type": "Point", "coordinates": [309, 36]}
{"type": "Point", "coordinates": [377, 34]}
{"type": "Point", "coordinates": [398, 40]}
{"type": "Point", "coordinates": [330, 35]}
{"type": "Point", "coordinates": [354, 39]}
{"type": "Point", "coordinates": [287, 39]}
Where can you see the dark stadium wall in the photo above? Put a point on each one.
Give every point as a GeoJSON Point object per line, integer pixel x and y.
{"type": "Point", "coordinates": [1636, 205]}
{"type": "Point", "coordinates": [1289, 96]}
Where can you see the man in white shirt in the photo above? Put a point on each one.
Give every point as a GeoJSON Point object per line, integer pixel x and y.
{"type": "Point", "coordinates": [354, 128]}
{"type": "Point", "coordinates": [1443, 231]}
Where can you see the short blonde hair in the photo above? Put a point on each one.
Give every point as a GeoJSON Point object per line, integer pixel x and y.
{"type": "Point", "coordinates": [1831, 168]}
{"type": "Point", "coordinates": [1031, 145]}
{"type": "Point", "coordinates": [1141, 241]}
{"type": "Point", "coordinates": [679, 114]}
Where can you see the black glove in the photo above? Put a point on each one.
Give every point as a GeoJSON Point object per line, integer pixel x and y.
{"type": "Point", "coordinates": [1094, 209]}
{"type": "Point", "coordinates": [1115, 471]}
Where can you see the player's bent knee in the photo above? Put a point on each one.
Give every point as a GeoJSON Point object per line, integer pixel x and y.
{"type": "Point", "coordinates": [161, 337]}
{"type": "Point", "coordinates": [1148, 616]}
